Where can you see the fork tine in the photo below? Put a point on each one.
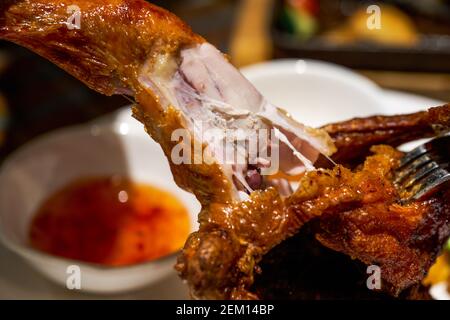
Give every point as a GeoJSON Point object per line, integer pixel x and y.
{"type": "Point", "coordinates": [430, 183]}
{"type": "Point", "coordinates": [412, 165]}
{"type": "Point", "coordinates": [420, 174]}
{"type": "Point", "coordinates": [413, 155]}
{"type": "Point", "coordinates": [440, 142]}
{"type": "Point", "coordinates": [424, 169]}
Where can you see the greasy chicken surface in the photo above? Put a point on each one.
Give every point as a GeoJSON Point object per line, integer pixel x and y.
{"type": "Point", "coordinates": [99, 53]}
{"type": "Point", "coordinates": [358, 215]}
{"type": "Point", "coordinates": [355, 137]}
{"type": "Point", "coordinates": [132, 47]}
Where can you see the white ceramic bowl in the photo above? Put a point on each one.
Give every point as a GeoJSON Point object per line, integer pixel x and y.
{"type": "Point", "coordinates": [34, 172]}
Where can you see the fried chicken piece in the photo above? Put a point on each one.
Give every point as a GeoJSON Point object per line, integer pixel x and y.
{"type": "Point", "coordinates": [357, 214]}
{"type": "Point", "coordinates": [301, 268]}
{"type": "Point", "coordinates": [179, 81]}
{"type": "Point", "coordinates": [132, 47]}
{"type": "Point", "coordinates": [361, 217]}
{"type": "Point", "coordinates": [355, 137]}
{"type": "Point", "coordinates": [403, 240]}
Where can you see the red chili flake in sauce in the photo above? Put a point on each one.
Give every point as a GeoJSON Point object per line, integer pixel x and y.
{"type": "Point", "coordinates": [111, 221]}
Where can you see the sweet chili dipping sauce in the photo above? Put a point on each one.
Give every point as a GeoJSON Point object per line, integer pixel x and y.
{"type": "Point", "coordinates": [111, 221]}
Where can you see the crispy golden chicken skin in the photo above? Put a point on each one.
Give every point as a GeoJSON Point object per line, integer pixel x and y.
{"type": "Point", "coordinates": [115, 37]}
{"type": "Point", "coordinates": [178, 80]}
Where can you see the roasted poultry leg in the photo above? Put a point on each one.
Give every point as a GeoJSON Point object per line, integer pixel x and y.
{"type": "Point", "coordinates": [181, 82]}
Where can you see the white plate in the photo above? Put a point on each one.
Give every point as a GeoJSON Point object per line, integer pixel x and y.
{"type": "Point", "coordinates": [440, 292]}
{"type": "Point", "coordinates": [314, 92]}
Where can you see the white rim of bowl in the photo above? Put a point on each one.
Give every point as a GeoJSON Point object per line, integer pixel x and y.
{"type": "Point", "coordinates": [316, 67]}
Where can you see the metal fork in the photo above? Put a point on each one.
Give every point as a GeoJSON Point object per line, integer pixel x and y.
{"type": "Point", "coordinates": [424, 170]}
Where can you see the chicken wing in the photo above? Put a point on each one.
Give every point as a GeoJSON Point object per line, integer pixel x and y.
{"type": "Point", "coordinates": [181, 82]}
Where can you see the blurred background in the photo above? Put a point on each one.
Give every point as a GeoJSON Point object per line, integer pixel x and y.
{"type": "Point", "coordinates": [409, 51]}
